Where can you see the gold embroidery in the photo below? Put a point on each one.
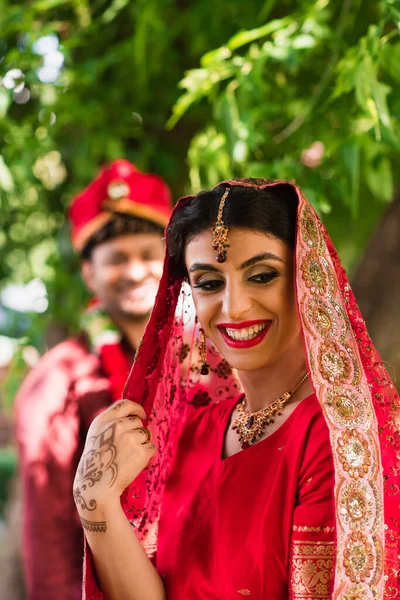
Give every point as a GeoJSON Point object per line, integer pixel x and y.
{"type": "Point", "coordinates": [345, 409]}
{"type": "Point", "coordinates": [312, 570]}
{"type": "Point", "coordinates": [343, 320]}
{"type": "Point", "coordinates": [358, 558]}
{"type": "Point", "coordinates": [334, 364]}
{"type": "Point", "coordinates": [313, 529]}
{"type": "Point", "coordinates": [354, 453]}
{"type": "Point", "coordinates": [309, 228]}
{"type": "Point", "coordinates": [313, 274]}
{"type": "Point", "coordinates": [330, 274]}
{"type": "Point", "coordinates": [321, 317]}
{"type": "Point", "coordinates": [379, 562]}
{"type": "Point", "coordinates": [344, 392]}
{"type": "Point", "coordinates": [357, 505]}
{"type": "Point", "coordinates": [357, 592]}
{"type": "Point", "coordinates": [244, 592]}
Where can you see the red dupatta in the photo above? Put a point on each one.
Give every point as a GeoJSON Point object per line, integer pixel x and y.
{"type": "Point", "coordinates": [357, 397]}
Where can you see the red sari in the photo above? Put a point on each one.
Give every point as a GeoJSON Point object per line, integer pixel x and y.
{"type": "Point", "coordinates": [259, 523]}
{"type": "Point", "coordinates": [359, 406]}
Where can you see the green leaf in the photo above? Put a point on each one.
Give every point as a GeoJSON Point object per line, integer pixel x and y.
{"type": "Point", "coordinates": [373, 111]}
{"type": "Point", "coordinates": [350, 153]}
{"type": "Point", "coordinates": [390, 58]}
{"type": "Point", "coordinates": [379, 178]}
{"type": "Point", "coordinates": [215, 56]}
{"type": "Point", "coordinates": [6, 179]}
{"type": "Point", "coordinates": [364, 78]}
{"type": "Point", "coordinates": [5, 101]}
{"type": "Point", "coordinates": [380, 92]}
{"type": "Point", "coordinates": [112, 11]}
{"type": "Point", "coordinates": [199, 83]}
{"type": "Point", "coordinates": [44, 5]}
{"type": "Point", "coordinates": [346, 74]}
{"type": "Point", "coordinates": [303, 41]}
{"type": "Point", "coordinates": [246, 37]}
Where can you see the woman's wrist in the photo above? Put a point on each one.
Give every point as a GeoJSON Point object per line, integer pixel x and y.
{"type": "Point", "coordinates": [96, 520]}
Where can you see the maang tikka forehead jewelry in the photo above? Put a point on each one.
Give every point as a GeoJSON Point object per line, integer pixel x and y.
{"type": "Point", "coordinates": [220, 231]}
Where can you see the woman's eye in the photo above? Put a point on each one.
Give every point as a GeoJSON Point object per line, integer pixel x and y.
{"type": "Point", "coordinates": [264, 277]}
{"type": "Point", "coordinates": [209, 286]}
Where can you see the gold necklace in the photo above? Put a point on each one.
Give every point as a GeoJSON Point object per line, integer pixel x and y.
{"type": "Point", "coordinates": [250, 426]}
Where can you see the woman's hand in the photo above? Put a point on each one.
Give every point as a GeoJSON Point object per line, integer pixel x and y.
{"type": "Point", "coordinates": [117, 449]}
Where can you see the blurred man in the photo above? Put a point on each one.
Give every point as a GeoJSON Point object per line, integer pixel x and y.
{"type": "Point", "coordinates": [117, 226]}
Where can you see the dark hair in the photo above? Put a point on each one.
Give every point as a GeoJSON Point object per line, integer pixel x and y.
{"type": "Point", "coordinates": [272, 210]}
{"type": "Point", "coordinates": [120, 224]}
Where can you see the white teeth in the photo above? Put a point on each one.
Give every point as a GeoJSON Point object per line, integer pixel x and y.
{"type": "Point", "coordinates": [247, 333]}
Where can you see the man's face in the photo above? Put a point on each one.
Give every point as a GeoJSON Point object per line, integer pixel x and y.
{"type": "Point", "coordinates": [124, 273]}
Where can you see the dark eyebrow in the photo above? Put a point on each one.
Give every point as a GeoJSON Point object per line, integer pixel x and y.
{"type": "Point", "coordinates": [247, 263]}
{"type": "Point", "coordinates": [203, 267]}
{"type": "Point", "coordinates": [259, 257]}
{"type": "Point", "coordinates": [117, 254]}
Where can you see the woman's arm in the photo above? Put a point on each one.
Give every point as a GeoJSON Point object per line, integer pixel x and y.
{"type": "Point", "coordinates": [116, 452]}
{"type": "Point", "coordinates": [123, 569]}
{"type": "Point", "coordinates": [313, 548]}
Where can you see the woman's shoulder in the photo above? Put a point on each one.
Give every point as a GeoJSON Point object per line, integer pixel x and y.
{"type": "Point", "coordinates": [307, 426]}
{"type": "Point", "coordinates": [310, 411]}
{"type": "Point", "coordinates": [315, 431]}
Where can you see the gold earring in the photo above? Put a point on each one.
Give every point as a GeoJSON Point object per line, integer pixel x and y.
{"type": "Point", "coordinates": [205, 369]}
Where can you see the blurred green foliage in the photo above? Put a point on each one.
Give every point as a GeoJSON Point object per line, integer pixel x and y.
{"type": "Point", "coordinates": [296, 89]}
{"type": "Point", "coordinates": [8, 464]}
{"type": "Point", "coordinates": [312, 95]}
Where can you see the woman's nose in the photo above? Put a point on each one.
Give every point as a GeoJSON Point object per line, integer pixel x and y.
{"type": "Point", "coordinates": [236, 303]}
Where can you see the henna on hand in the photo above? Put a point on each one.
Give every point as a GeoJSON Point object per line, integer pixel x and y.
{"type": "Point", "coordinates": [117, 405]}
{"type": "Point", "coordinates": [94, 526]}
{"type": "Point", "coordinates": [94, 465]}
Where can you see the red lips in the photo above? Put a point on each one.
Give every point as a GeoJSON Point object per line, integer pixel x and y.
{"type": "Point", "coordinates": [243, 343]}
{"type": "Point", "coordinates": [242, 324]}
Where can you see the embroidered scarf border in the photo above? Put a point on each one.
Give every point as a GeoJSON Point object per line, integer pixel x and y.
{"type": "Point", "coordinates": [345, 396]}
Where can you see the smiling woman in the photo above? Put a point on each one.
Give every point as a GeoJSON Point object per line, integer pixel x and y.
{"type": "Point", "coordinates": [276, 492]}
{"type": "Point", "coordinates": [240, 294]}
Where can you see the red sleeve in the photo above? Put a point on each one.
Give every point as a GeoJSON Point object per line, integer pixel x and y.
{"type": "Point", "coordinates": [49, 447]}
{"type": "Point", "coordinates": [313, 534]}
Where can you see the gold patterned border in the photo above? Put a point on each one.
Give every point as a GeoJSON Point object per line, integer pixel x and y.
{"type": "Point", "coordinates": [311, 570]}
{"type": "Point", "coordinates": [306, 529]}
{"type": "Point", "coordinates": [342, 390]}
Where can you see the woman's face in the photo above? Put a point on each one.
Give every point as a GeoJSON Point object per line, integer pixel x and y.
{"type": "Point", "coordinates": [245, 305]}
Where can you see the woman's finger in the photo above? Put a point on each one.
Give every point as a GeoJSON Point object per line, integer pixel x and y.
{"type": "Point", "coordinates": [143, 434]}
{"type": "Point", "coordinates": [129, 423]}
{"type": "Point", "coordinates": [151, 448]}
{"type": "Point", "coordinates": [124, 408]}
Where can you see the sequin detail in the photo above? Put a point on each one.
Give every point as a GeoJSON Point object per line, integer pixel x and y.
{"type": "Point", "coordinates": [345, 409]}
{"type": "Point", "coordinates": [357, 506]}
{"type": "Point", "coordinates": [313, 274]}
{"type": "Point", "coordinates": [358, 557]}
{"type": "Point", "coordinates": [330, 329]}
{"type": "Point", "coordinates": [334, 363]}
{"type": "Point", "coordinates": [354, 454]}
{"type": "Point", "coordinates": [357, 592]}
